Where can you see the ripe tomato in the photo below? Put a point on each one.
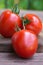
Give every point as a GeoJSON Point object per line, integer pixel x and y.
{"type": "Point", "coordinates": [8, 21]}
{"type": "Point", "coordinates": [34, 24]}
{"type": "Point", "coordinates": [25, 43]}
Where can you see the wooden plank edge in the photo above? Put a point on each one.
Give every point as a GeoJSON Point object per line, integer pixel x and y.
{"type": "Point", "coordinates": [11, 59]}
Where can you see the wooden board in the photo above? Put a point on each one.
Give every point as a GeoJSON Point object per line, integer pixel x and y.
{"type": "Point", "coordinates": [11, 59]}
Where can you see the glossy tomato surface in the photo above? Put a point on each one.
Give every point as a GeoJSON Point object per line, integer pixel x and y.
{"type": "Point", "coordinates": [34, 24]}
{"type": "Point", "coordinates": [24, 43]}
{"type": "Point", "coordinates": [8, 21]}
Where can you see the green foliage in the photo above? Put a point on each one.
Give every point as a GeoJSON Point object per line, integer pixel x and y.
{"type": "Point", "coordinates": [23, 4]}
{"type": "Point", "coordinates": [2, 4]}
{"type": "Point", "coordinates": [36, 4]}
{"type": "Point", "coordinates": [9, 3]}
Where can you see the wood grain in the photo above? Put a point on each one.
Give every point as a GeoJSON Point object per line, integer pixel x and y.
{"type": "Point", "coordinates": [11, 59]}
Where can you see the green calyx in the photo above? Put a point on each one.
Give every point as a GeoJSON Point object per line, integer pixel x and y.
{"type": "Point", "coordinates": [25, 21]}
{"type": "Point", "coordinates": [15, 9]}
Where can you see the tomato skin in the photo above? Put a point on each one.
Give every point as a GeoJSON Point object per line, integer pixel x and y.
{"type": "Point", "coordinates": [24, 43]}
{"type": "Point", "coordinates": [8, 21]}
{"type": "Point", "coordinates": [35, 23]}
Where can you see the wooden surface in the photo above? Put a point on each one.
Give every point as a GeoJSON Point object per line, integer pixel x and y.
{"type": "Point", "coordinates": [8, 57]}
{"type": "Point", "coordinates": [11, 59]}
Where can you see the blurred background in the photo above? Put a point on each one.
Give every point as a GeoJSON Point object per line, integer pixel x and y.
{"type": "Point", "coordinates": [23, 4]}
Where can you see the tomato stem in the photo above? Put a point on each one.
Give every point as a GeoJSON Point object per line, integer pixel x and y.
{"type": "Point", "coordinates": [17, 28]}
{"type": "Point", "coordinates": [23, 25]}
{"type": "Point", "coordinates": [25, 21]}
{"type": "Point", "coordinates": [15, 9]}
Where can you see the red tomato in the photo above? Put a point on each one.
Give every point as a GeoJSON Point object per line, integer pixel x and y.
{"type": "Point", "coordinates": [8, 21]}
{"type": "Point", "coordinates": [25, 43]}
{"type": "Point", "coordinates": [34, 24]}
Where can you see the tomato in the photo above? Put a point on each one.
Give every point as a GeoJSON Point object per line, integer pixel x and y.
{"type": "Point", "coordinates": [25, 43]}
{"type": "Point", "coordinates": [8, 21]}
{"type": "Point", "coordinates": [34, 24]}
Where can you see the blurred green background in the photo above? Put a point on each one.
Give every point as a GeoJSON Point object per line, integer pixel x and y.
{"type": "Point", "coordinates": [23, 4]}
